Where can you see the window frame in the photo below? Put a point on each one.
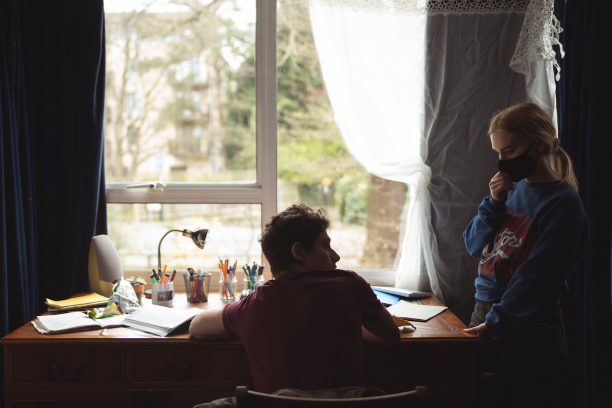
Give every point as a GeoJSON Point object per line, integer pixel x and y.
{"type": "Point", "coordinates": [264, 190]}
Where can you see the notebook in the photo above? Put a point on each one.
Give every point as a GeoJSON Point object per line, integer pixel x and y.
{"type": "Point", "coordinates": [410, 311]}
{"type": "Point", "coordinates": [160, 320]}
{"type": "Point", "coordinates": [402, 292]}
{"type": "Point", "coordinates": [72, 322]}
{"type": "Point", "coordinates": [386, 299]}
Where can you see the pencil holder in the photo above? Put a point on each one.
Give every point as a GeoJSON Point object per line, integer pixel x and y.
{"type": "Point", "coordinates": [163, 294]}
{"type": "Point", "coordinates": [227, 288]}
{"type": "Point", "coordinates": [249, 281]}
{"type": "Point", "coordinates": [197, 287]}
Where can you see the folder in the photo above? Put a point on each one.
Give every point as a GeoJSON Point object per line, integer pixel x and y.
{"type": "Point", "coordinates": [90, 300]}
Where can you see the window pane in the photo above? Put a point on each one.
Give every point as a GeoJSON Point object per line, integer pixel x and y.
{"type": "Point", "coordinates": [180, 96]}
{"type": "Point", "coordinates": [314, 164]}
{"type": "Point", "coordinates": [136, 230]}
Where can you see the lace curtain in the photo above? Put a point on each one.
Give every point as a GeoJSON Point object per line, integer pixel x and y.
{"type": "Point", "coordinates": [408, 80]}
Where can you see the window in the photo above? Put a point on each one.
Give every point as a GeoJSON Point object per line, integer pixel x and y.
{"type": "Point", "coordinates": [199, 93]}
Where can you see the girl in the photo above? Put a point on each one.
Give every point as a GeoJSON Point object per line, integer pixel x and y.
{"type": "Point", "coordinates": [528, 235]}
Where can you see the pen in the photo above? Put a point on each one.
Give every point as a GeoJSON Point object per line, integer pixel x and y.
{"type": "Point", "coordinates": [195, 286]}
{"type": "Point", "coordinates": [198, 291]}
{"type": "Point", "coordinates": [173, 274]}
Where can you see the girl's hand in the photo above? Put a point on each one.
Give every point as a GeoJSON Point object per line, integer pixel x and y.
{"type": "Point", "coordinates": [480, 330]}
{"type": "Point", "coordinates": [500, 184]}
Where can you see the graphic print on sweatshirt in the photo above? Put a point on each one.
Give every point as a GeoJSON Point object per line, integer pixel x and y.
{"type": "Point", "coordinates": [513, 242]}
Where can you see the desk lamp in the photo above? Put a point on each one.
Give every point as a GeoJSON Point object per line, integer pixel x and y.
{"type": "Point", "coordinates": [198, 236]}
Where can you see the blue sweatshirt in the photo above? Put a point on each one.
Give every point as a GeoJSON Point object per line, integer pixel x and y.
{"type": "Point", "coordinates": [528, 247]}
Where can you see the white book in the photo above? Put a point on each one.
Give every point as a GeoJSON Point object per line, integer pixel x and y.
{"type": "Point", "coordinates": [410, 311]}
{"type": "Point", "coordinates": [71, 322]}
{"type": "Point", "coordinates": [159, 320]}
{"type": "Point", "coordinates": [402, 292]}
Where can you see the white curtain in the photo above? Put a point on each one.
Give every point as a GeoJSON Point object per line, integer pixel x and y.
{"type": "Point", "coordinates": [388, 97]}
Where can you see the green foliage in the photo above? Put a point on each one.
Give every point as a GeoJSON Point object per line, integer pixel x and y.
{"type": "Point", "coordinates": [352, 200]}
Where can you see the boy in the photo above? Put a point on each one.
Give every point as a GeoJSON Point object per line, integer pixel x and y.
{"type": "Point", "coordinates": [304, 328]}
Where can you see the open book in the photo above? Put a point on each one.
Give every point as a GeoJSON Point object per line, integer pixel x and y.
{"type": "Point", "coordinates": [159, 320]}
{"type": "Point", "coordinates": [71, 322]}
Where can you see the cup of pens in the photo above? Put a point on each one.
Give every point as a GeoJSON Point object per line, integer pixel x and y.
{"type": "Point", "coordinates": [162, 288]}
{"type": "Point", "coordinates": [197, 285]}
{"type": "Point", "coordinates": [227, 281]}
{"type": "Point", "coordinates": [163, 294]}
{"type": "Point", "coordinates": [253, 276]}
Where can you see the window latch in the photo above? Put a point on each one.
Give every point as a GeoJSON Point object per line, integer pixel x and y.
{"type": "Point", "coordinates": [157, 185]}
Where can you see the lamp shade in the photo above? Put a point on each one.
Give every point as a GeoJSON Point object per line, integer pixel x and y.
{"type": "Point", "coordinates": [198, 236]}
{"type": "Point", "coordinates": [104, 265]}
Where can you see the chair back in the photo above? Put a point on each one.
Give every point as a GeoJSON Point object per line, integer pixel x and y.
{"type": "Point", "coordinates": [409, 399]}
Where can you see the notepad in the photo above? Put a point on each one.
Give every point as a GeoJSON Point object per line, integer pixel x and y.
{"type": "Point", "coordinates": [410, 311]}
{"type": "Point", "coordinates": [160, 320]}
{"type": "Point", "coordinates": [72, 322]}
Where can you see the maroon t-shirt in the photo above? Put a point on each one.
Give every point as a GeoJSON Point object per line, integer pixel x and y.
{"type": "Point", "coordinates": [303, 330]}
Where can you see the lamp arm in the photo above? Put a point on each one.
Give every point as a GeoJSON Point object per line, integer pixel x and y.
{"type": "Point", "coordinates": [159, 247]}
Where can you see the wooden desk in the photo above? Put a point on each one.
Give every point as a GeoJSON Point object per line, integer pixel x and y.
{"type": "Point", "coordinates": [105, 368]}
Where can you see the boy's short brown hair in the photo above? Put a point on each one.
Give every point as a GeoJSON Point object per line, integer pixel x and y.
{"type": "Point", "coordinates": [298, 223]}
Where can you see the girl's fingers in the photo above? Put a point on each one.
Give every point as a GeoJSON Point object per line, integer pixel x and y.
{"type": "Point", "coordinates": [501, 184]}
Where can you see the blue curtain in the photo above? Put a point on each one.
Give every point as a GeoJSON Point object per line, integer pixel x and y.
{"type": "Point", "coordinates": [53, 197]}
{"type": "Point", "coordinates": [584, 109]}
{"type": "Point", "coordinates": [19, 294]}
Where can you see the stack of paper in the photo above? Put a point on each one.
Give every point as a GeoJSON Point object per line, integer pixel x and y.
{"type": "Point", "coordinates": [159, 320]}
{"type": "Point", "coordinates": [71, 322]}
{"type": "Point", "coordinates": [77, 303]}
{"type": "Point", "coordinates": [410, 311]}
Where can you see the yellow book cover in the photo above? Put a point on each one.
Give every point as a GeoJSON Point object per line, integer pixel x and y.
{"type": "Point", "coordinates": [78, 301]}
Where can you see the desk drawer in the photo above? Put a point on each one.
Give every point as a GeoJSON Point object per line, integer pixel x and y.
{"type": "Point", "coordinates": [419, 364]}
{"type": "Point", "coordinates": [99, 403]}
{"type": "Point", "coordinates": [210, 366]}
{"type": "Point", "coordinates": [60, 366]}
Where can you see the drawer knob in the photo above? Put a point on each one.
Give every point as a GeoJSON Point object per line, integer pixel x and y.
{"type": "Point", "coordinates": [78, 369]}
{"type": "Point", "coordinates": [166, 368]}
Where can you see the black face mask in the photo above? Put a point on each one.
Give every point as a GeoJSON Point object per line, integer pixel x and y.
{"type": "Point", "coordinates": [518, 167]}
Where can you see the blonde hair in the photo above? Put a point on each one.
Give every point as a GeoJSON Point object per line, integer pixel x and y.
{"type": "Point", "coordinates": [532, 124]}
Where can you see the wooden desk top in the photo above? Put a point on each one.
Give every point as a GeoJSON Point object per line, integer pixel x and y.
{"type": "Point", "coordinates": [444, 327]}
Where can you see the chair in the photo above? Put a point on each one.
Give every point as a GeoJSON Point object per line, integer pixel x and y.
{"type": "Point", "coordinates": [252, 399]}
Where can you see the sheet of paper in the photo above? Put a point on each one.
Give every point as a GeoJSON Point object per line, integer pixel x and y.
{"type": "Point", "coordinates": [407, 310]}
{"type": "Point", "coordinates": [66, 321]}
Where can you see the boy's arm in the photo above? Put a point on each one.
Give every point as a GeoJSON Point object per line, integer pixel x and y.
{"type": "Point", "coordinates": [383, 331]}
{"type": "Point", "coordinates": [208, 325]}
